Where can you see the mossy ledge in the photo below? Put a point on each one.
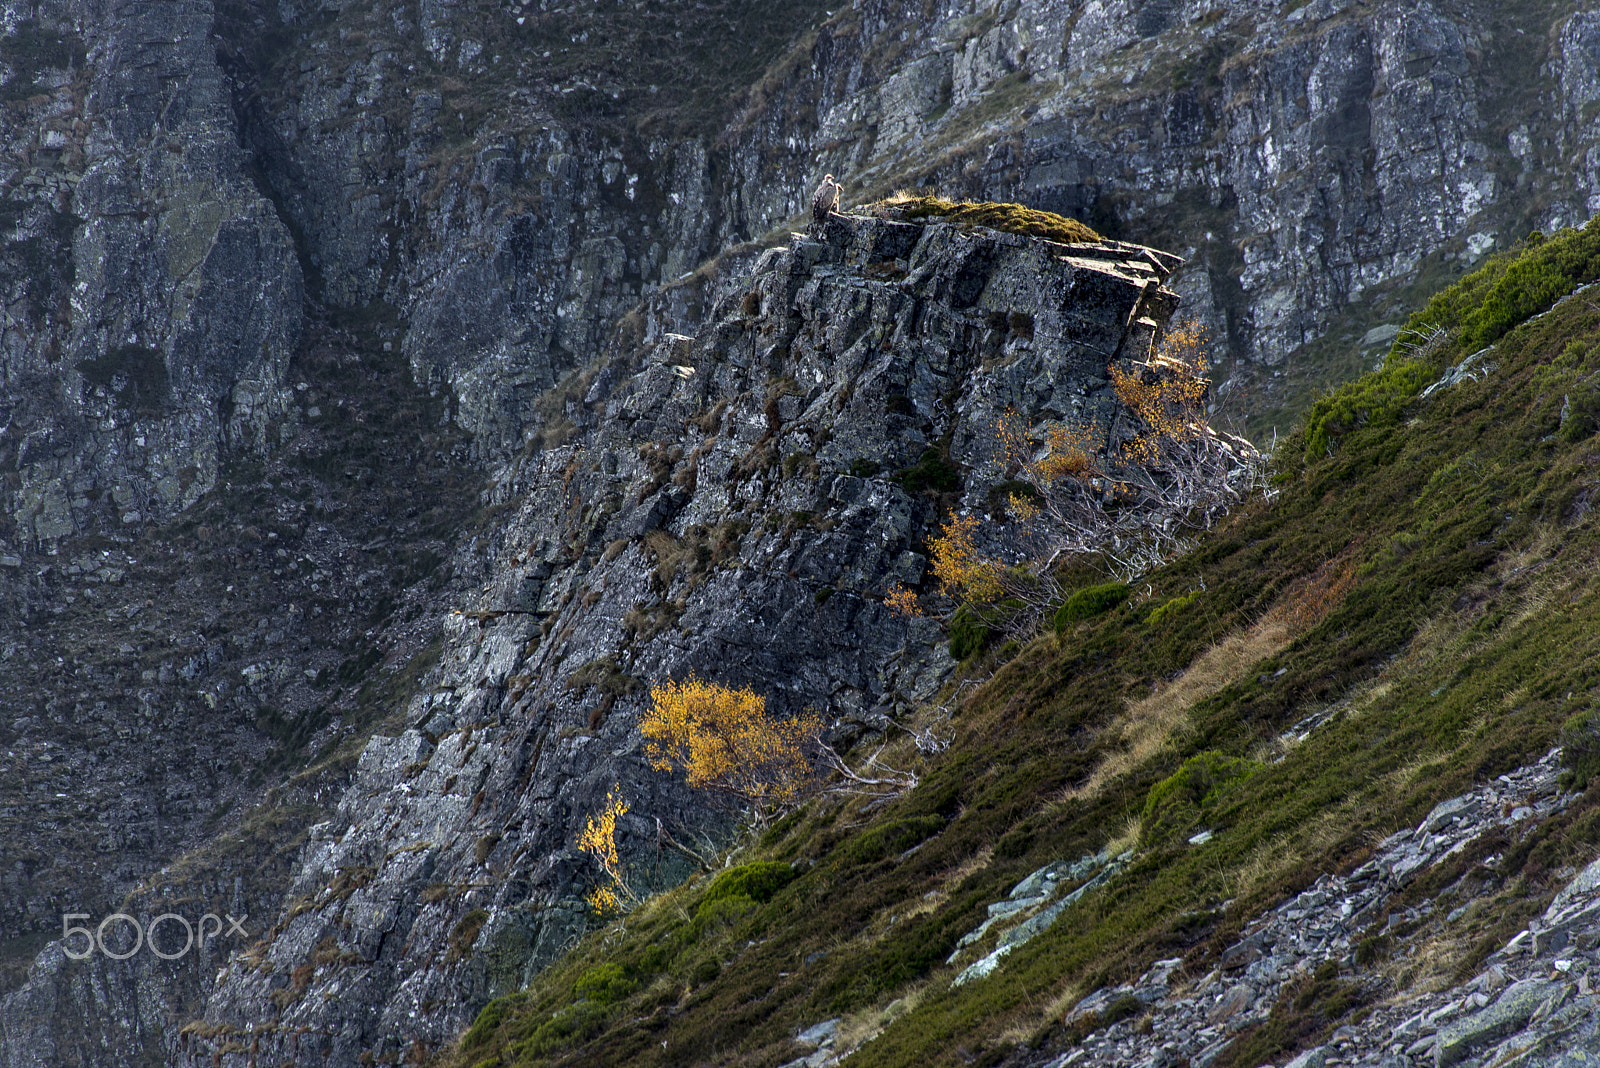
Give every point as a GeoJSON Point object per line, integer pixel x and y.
{"type": "Point", "coordinates": [1011, 218]}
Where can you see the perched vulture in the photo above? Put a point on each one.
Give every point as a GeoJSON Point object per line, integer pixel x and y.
{"type": "Point", "coordinates": [823, 201]}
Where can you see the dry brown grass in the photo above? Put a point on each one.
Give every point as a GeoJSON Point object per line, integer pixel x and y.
{"type": "Point", "coordinates": [973, 864]}
{"type": "Point", "coordinates": [1149, 725]}
{"type": "Point", "coordinates": [1264, 865]}
{"type": "Point", "coordinates": [862, 1027]}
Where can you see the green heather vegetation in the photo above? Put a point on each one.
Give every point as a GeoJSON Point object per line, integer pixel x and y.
{"type": "Point", "coordinates": [1090, 602]}
{"type": "Point", "coordinates": [1013, 218]}
{"type": "Point", "coordinates": [1422, 582]}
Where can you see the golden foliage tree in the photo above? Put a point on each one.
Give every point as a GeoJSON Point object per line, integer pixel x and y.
{"type": "Point", "coordinates": [1131, 499]}
{"type": "Point", "coordinates": [901, 601]}
{"type": "Point", "coordinates": [725, 741]}
{"type": "Point", "coordinates": [963, 571]}
{"type": "Point", "coordinates": [599, 840]}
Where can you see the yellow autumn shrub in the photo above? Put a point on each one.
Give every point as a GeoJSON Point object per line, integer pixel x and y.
{"type": "Point", "coordinates": [724, 741]}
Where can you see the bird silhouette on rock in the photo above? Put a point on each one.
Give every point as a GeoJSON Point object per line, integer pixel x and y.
{"type": "Point", "coordinates": [823, 203]}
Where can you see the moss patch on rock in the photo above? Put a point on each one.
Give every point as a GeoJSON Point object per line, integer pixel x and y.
{"type": "Point", "coordinates": [1011, 218]}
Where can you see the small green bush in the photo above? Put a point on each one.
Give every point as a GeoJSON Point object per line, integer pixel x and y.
{"type": "Point", "coordinates": [1376, 399]}
{"type": "Point", "coordinates": [572, 1025]}
{"type": "Point", "coordinates": [759, 882]}
{"type": "Point", "coordinates": [968, 633]}
{"type": "Point", "coordinates": [1583, 416]}
{"type": "Point", "coordinates": [1171, 608]}
{"type": "Point", "coordinates": [721, 913]}
{"type": "Point", "coordinates": [932, 472]}
{"type": "Point", "coordinates": [1546, 272]}
{"type": "Point", "coordinates": [864, 468]}
{"type": "Point", "coordinates": [1091, 602]}
{"type": "Point", "coordinates": [604, 984]}
{"type": "Point", "coordinates": [1175, 802]}
{"type": "Point", "coordinates": [891, 839]}
{"type": "Point", "coordinates": [1580, 746]}
{"type": "Point", "coordinates": [1124, 1007]}
{"type": "Point", "coordinates": [484, 1026]}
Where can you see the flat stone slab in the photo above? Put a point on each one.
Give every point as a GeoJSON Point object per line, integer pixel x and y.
{"type": "Point", "coordinates": [1510, 1011]}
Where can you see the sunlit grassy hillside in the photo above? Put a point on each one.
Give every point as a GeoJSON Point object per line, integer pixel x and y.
{"type": "Point", "coordinates": [1413, 612]}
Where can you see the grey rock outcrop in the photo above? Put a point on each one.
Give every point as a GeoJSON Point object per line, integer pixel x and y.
{"type": "Point", "coordinates": [702, 520]}
{"type": "Point", "coordinates": [1533, 1003]}
{"type": "Point", "coordinates": [1309, 175]}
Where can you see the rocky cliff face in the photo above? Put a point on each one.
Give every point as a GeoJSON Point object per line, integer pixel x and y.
{"type": "Point", "coordinates": [711, 516]}
{"type": "Point", "coordinates": [312, 307]}
{"type": "Point", "coordinates": [155, 296]}
{"type": "Point", "coordinates": [1312, 166]}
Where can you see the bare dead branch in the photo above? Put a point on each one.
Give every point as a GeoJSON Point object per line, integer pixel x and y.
{"type": "Point", "coordinates": [876, 779]}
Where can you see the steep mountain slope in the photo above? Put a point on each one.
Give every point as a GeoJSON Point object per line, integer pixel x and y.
{"type": "Point", "coordinates": [300, 294]}
{"type": "Point", "coordinates": [733, 505]}
{"type": "Point", "coordinates": [1409, 619]}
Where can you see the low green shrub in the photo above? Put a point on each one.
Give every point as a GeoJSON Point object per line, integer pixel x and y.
{"type": "Point", "coordinates": [1174, 803]}
{"type": "Point", "coordinates": [1094, 601]}
{"type": "Point", "coordinates": [722, 913]}
{"type": "Point", "coordinates": [1582, 416]}
{"type": "Point", "coordinates": [968, 633]}
{"type": "Point", "coordinates": [483, 1027]}
{"type": "Point", "coordinates": [1580, 746]}
{"type": "Point", "coordinates": [1171, 608]}
{"type": "Point", "coordinates": [891, 838]}
{"type": "Point", "coordinates": [1373, 399]}
{"type": "Point", "coordinates": [1546, 272]}
{"type": "Point", "coordinates": [566, 1028]}
{"type": "Point", "coordinates": [759, 882]}
{"type": "Point", "coordinates": [931, 472]}
{"type": "Point", "coordinates": [604, 984]}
